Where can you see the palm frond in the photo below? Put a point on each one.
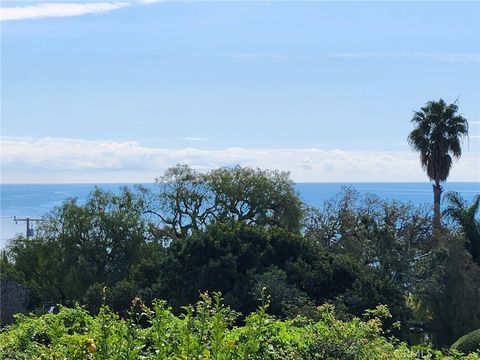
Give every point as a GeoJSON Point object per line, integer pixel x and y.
{"type": "Point", "coordinates": [474, 207]}
{"type": "Point", "coordinates": [456, 205]}
{"type": "Point", "coordinates": [437, 137]}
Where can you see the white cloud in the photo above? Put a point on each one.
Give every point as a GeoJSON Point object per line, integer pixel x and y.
{"type": "Point", "coordinates": [76, 160]}
{"type": "Point", "coordinates": [44, 10]}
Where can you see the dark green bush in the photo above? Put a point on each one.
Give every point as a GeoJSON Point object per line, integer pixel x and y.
{"type": "Point", "coordinates": [468, 343]}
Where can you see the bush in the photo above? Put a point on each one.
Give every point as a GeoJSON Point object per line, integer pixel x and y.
{"type": "Point", "coordinates": [468, 343]}
{"type": "Point", "coordinates": [204, 331]}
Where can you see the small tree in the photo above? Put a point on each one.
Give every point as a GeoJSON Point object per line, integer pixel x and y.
{"type": "Point", "coordinates": [465, 215]}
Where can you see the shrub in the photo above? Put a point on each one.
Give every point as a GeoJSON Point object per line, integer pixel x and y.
{"type": "Point", "coordinates": [468, 343]}
{"type": "Point", "coordinates": [205, 330]}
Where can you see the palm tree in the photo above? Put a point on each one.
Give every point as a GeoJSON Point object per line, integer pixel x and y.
{"type": "Point", "coordinates": [465, 215]}
{"type": "Point", "coordinates": [437, 136]}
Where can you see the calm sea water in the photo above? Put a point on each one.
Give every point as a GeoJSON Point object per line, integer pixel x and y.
{"type": "Point", "coordinates": [34, 200]}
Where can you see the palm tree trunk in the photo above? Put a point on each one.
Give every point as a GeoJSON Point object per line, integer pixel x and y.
{"type": "Point", "coordinates": [437, 193]}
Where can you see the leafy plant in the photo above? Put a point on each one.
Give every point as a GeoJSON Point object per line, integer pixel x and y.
{"type": "Point", "coordinates": [206, 330]}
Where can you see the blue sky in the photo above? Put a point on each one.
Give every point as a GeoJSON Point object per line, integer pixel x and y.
{"type": "Point", "coordinates": [117, 91]}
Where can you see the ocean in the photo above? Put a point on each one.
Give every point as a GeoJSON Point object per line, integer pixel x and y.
{"type": "Point", "coordinates": [35, 200]}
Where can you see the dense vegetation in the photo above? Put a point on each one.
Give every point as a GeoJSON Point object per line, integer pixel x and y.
{"type": "Point", "coordinates": [204, 331]}
{"type": "Point", "coordinates": [238, 231]}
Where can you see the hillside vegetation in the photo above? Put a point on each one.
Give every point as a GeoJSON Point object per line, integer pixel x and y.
{"type": "Point", "coordinates": [237, 231]}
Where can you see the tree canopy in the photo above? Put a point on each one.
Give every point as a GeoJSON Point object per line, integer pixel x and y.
{"type": "Point", "coordinates": [188, 200]}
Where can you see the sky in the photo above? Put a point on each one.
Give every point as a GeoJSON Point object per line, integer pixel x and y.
{"type": "Point", "coordinates": [118, 91]}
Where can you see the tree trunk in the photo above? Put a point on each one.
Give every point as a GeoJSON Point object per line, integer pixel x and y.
{"type": "Point", "coordinates": [437, 193]}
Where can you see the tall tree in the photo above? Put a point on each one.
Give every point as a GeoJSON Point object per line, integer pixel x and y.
{"type": "Point", "coordinates": [188, 200]}
{"type": "Point", "coordinates": [80, 245]}
{"type": "Point", "coordinates": [437, 136]}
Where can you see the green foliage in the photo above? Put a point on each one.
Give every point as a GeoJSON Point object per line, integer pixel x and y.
{"type": "Point", "coordinates": [13, 292]}
{"type": "Point", "coordinates": [203, 331]}
{"type": "Point", "coordinates": [79, 245]}
{"type": "Point", "coordinates": [465, 215]}
{"type": "Point", "coordinates": [383, 242]}
{"type": "Point", "coordinates": [437, 136]}
{"type": "Point", "coordinates": [449, 291]}
{"type": "Point", "coordinates": [468, 343]}
{"type": "Point", "coordinates": [239, 259]}
{"type": "Point", "coordinates": [438, 133]}
{"type": "Point", "coordinates": [188, 201]}
{"type": "Point", "coordinates": [262, 197]}
{"type": "Point", "coordinates": [237, 231]}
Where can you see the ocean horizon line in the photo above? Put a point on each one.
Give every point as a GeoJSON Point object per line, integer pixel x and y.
{"type": "Point", "coordinates": [295, 182]}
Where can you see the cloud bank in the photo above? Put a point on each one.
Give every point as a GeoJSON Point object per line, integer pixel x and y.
{"type": "Point", "coordinates": [56, 160]}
